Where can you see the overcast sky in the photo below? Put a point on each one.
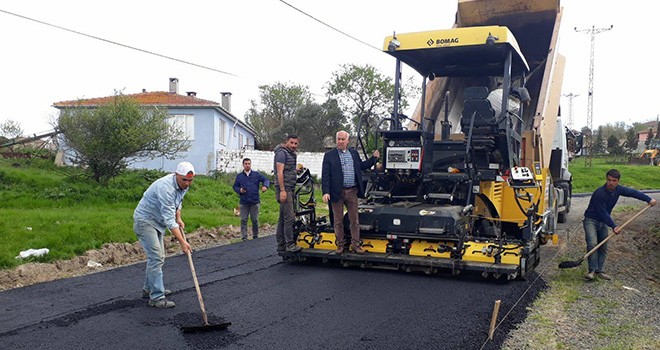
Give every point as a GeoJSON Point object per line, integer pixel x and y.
{"type": "Point", "coordinates": [265, 41]}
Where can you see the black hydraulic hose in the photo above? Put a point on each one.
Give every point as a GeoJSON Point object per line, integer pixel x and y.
{"type": "Point", "coordinates": [468, 159]}
{"type": "Point", "coordinates": [359, 136]}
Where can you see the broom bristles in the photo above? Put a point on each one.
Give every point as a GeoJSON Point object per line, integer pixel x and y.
{"type": "Point", "coordinates": [569, 264]}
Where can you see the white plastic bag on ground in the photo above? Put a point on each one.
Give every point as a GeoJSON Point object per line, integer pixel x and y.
{"type": "Point", "coordinates": [32, 252]}
{"type": "Point", "coordinates": [92, 263]}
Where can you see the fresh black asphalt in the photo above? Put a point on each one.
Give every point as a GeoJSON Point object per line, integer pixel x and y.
{"type": "Point", "coordinates": [271, 304]}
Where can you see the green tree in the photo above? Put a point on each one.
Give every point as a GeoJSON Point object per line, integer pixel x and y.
{"type": "Point", "coordinates": [618, 129]}
{"type": "Point", "coordinates": [108, 138]}
{"type": "Point", "coordinates": [10, 129]}
{"type": "Point", "coordinates": [632, 140]}
{"type": "Point", "coordinates": [313, 123]}
{"type": "Point", "coordinates": [613, 146]}
{"type": "Point", "coordinates": [598, 146]}
{"type": "Point", "coordinates": [649, 138]}
{"type": "Point", "coordinates": [275, 110]}
{"type": "Point", "coordinates": [363, 92]}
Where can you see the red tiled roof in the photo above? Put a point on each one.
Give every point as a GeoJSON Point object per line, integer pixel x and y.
{"type": "Point", "coordinates": [156, 98]}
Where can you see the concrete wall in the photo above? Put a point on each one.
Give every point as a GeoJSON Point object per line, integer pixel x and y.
{"type": "Point", "coordinates": [262, 161]}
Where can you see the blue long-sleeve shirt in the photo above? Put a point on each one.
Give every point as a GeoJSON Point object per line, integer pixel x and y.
{"type": "Point", "coordinates": [251, 185]}
{"type": "Point", "coordinates": [603, 201]}
{"type": "Point", "coordinates": [160, 202]}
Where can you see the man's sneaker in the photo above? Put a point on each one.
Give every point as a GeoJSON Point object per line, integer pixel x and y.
{"type": "Point", "coordinates": [590, 276]}
{"type": "Point", "coordinates": [293, 248]}
{"type": "Point", "coordinates": [280, 248]}
{"type": "Point", "coordinates": [161, 303]}
{"type": "Point", "coordinates": [604, 276]}
{"type": "Point", "coordinates": [243, 239]}
{"type": "Point", "coordinates": [255, 237]}
{"type": "Point", "coordinates": [145, 293]}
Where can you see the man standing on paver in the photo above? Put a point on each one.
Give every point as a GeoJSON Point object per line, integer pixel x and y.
{"type": "Point", "coordinates": [285, 165]}
{"type": "Point", "coordinates": [342, 185]}
{"type": "Point", "coordinates": [158, 210]}
{"type": "Point", "coordinates": [597, 218]}
{"type": "Point", "coordinates": [247, 187]}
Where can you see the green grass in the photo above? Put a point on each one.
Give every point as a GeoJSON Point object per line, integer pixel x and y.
{"type": "Point", "coordinates": [44, 206]}
{"type": "Point", "coordinates": [587, 179]}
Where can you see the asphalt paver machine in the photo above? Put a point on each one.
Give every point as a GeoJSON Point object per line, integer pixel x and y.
{"type": "Point", "coordinates": [467, 183]}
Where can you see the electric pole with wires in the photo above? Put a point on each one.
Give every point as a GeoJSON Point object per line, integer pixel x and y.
{"type": "Point", "coordinates": [590, 97]}
{"type": "Point", "coordinates": [570, 96]}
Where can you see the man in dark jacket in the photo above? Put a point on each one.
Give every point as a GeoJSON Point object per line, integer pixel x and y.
{"type": "Point", "coordinates": [285, 165]}
{"type": "Point", "coordinates": [342, 185]}
{"type": "Point", "coordinates": [597, 218]}
{"type": "Point", "coordinates": [247, 187]}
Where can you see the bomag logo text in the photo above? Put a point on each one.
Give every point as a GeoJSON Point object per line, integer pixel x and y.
{"type": "Point", "coordinates": [443, 41]}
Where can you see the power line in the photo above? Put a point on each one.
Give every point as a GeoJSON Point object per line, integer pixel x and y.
{"type": "Point", "coordinates": [329, 26]}
{"type": "Point", "coordinates": [119, 44]}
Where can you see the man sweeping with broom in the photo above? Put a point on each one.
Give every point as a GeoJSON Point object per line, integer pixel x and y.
{"type": "Point", "coordinates": [598, 217]}
{"type": "Point", "coordinates": [158, 210]}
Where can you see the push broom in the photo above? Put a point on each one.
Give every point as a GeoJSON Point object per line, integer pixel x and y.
{"type": "Point", "coordinates": [206, 326]}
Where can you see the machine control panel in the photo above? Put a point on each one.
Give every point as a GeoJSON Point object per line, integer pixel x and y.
{"type": "Point", "coordinates": [403, 157]}
{"type": "Point", "coordinates": [521, 173]}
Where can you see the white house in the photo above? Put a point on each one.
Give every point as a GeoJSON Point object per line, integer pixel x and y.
{"type": "Point", "coordinates": [209, 126]}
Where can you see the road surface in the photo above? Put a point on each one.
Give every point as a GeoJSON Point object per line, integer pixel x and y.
{"type": "Point", "coordinates": [271, 304]}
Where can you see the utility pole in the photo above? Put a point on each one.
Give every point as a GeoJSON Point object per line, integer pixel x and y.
{"type": "Point", "coordinates": [570, 96]}
{"type": "Point", "coordinates": [590, 97]}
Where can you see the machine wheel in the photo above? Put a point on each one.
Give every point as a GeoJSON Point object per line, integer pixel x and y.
{"type": "Point", "coordinates": [561, 217]}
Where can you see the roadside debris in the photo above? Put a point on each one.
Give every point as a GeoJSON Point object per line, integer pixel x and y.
{"type": "Point", "coordinates": [631, 288]}
{"type": "Point", "coordinates": [32, 252]}
{"type": "Point", "coordinates": [92, 263]}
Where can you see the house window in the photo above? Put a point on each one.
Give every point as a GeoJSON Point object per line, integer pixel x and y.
{"type": "Point", "coordinates": [241, 141]}
{"type": "Point", "coordinates": [222, 132]}
{"type": "Point", "coordinates": [185, 123]}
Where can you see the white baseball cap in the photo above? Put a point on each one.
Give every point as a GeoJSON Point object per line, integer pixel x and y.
{"type": "Point", "coordinates": [184, 168]}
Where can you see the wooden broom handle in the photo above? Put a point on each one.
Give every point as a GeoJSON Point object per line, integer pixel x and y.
{"type": "Point", "coordinates": [194, 275]}
{"type": "Point", "coordinates": [614, 234]}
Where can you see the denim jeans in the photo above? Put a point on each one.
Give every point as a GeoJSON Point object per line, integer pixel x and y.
{"type": "Point", "coordinates": [284, 233]}
{"type": "Point", "coordinates": [154, 247]}
{"type": "Point", "coordinates": [594, 233]}
{"type": "Point", "coordinates": [253, 211]}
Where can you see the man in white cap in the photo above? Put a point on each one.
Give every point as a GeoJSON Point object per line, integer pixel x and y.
{"type": "Point", "coordinates": [159, 210]}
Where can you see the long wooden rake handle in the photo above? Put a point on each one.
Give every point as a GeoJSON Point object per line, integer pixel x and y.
{"type": "Point", "coordinates": [194, 275]}
{"type": "Point", "coordinates": [614, 234]}
{"type": "Point", "coordinates": [199, 291]}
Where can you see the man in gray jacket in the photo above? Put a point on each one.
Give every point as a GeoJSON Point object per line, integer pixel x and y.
{"type": "Point", "coordinates": [285, 163]}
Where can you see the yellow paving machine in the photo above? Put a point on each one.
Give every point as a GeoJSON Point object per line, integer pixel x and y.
{"type": "Point", "coordinates": [477, 178]}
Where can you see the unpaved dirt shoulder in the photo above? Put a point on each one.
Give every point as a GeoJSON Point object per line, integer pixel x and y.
{"type": "Point", "coordinates": [113, 255]}
{"type": "Point", "coordinates": [620, 314]}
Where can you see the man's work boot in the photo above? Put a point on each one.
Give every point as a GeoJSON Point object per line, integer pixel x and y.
{"type": "Point", "coordinates": [604, 276]}
{"type": "Point", "coordinates": [161, 303]}
{"type": "Point", "coordinates": [357, 249]}
{"type": "Point", "coordinates": [293, 248]}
